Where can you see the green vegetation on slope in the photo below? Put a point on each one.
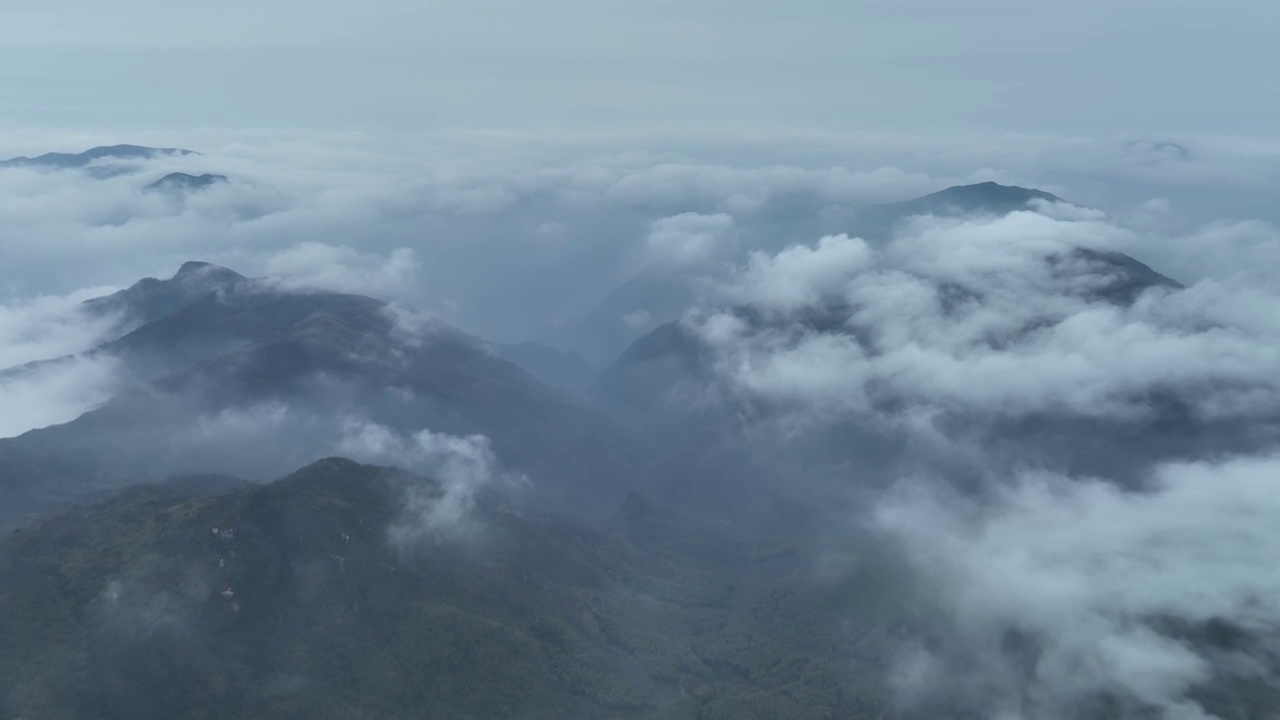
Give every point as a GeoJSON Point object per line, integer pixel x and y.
{"type": "Point", "coordinates": [289, 601]}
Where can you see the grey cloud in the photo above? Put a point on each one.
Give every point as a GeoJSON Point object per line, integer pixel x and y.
{"type": "Point", "coordinates": [55, 392]}
{"type": "Point", "coordinates": [47, 326]}
{"type": "Point", "coordinates": [1042, 596]}
{"type": "Point", "coordinates": [688, 238]}
{"type": "Point", "coordinates": [470, 221]}
{"type": "Point", "coordinates": [343, 269]}
{"type": "Point", "coordinates": [476, 208]}
{"type": "Point", "coordinates": [43, 381]}
{"type": "Point", "coordinates": [638, 320]}
{"type": "Point", "coordinates": [1110, 591]}
{"type": "Point", "coordinates": [463, 466]}
{"type": "Point", "coordinates": [800, 276]}
{"type": "Point", "coordinates": [1235, 252]}
{"type": "Point", "coordinates": [990, 316]}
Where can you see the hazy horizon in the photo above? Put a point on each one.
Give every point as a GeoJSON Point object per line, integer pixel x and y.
{"type": "Point", "coordinates": [919, 66]}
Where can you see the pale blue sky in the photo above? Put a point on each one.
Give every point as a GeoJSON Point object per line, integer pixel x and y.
{"type": "Point", "coordinates": [1080, 67]}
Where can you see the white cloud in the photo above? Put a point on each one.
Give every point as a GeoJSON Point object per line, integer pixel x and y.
{"type": "Point", "coordinates": [993, 316]}
{"type": "Point", "coordinates": [317, 266]}
{"type": "Point", "coordinates": [411, 327]}
{"type": "Point", "coordinates": [1098, 580]}
{"type": "Point", "coordinates": [687, 239]}
{"type": "Point", "coordinates": [46, 326]}
{"type": "Point", "coordinates": [478, 210]}
{"type": "Point", "coordinates": [479, 215]}
{"type": "Point", "coordinates": [463, 466]}
{"type": "Point", "coordinates": [232, 426]}
{"type": "Point", "coordinates": [800, 276]}
{"type": "Point", "coordinates": [1046, 593]}
{"type": "Point", "coordinates": [1237, 252]}
{"type": "Point", "coordinates": [55, 392]}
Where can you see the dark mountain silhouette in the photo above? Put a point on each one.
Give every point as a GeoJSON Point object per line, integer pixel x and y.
{"type": "Point", "coordinates": [151, 298]}
{"type": "Point", "coordinates": [987, 198]}
{"type": "Point", "coordinates": [293, 600]}
{"type": "Point", "coordinates": [99, 157]}
{"type": "Point", "coordinates": [244, 347]}
{"type": "Point", "coordinates": [185, 182]}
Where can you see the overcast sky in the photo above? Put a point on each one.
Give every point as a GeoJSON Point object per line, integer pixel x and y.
{"type": "Point", "coordinates": [1079, 67]}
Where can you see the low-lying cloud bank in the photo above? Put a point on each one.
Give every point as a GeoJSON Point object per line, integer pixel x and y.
{"type": "Point", "coordinates": [1009, 316]}
{"type": "Point", "coordinates": [55, 392]}
{"type": "Point", "coordinates": [513, 231]}
{"type": "Point", "coordinates": [49, 326]}
{"type": "Point", "coordinates": [1059, 593]}
{"type": "Point", "coordinates": [1042, 595]}
{"type": "Point", "coordinates": [43, 380]}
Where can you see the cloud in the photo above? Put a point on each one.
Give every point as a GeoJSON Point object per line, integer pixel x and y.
{"type": "Point", "coordinates": [463, 467]}
{"type": "Point", "coordinates": [49, 326]}
{"type": "Point", "coordinates": [1040, 595]}
{"type": "Point", "coordinates": [411, 327]}
{"type": "Point", "coordinates": [43, 379]}
{"type": "Point", "coordinates": [925, 335]}
{"type": "Point", "coordinates": [523, 229]}
{"type": "Point", "coordinates": [515, 234]}
{"type": "Point", "coordinates": [996, 317]}
{"type": "Point", "coordinates": [1237, 252]}
{"type": "Point", "coordinates": [1108, 592]}
{"type": "Point", "coordinates": [638, 320]}
{"type": "Point", "coordinates": [688, 238]}
{"type": "Point", "coordinates": [55, 392]}
{"type": "Point", "coordinates": [317, 266]}
{"type": "Point", "coordinates": [800, 276]}
{"type": "Point", "coordinates": [231, 426]}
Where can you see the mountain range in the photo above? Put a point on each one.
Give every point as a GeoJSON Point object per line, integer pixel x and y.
{"type": "Point", "coordinates": [210, 348]}
{"type": "Point", "coordinates": [70, 161]}
{"type": "Point", "coordinates": [106, 161]}
{"type": "Point", "coordinates": [187, 182]}
{"type": "Point", "coordinates": [300, 503]}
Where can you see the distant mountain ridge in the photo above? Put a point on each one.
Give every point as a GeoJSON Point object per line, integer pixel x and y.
{"type": "Point", "coordinates": [986, 197]}
{"type": "Point", "coordinates": [150, 299]}
{"type": "Point", "coordinates": [186, 182]}
{"type": "Point", "coordinates": [660, 295]}
{"type": "Point", "coordinates": [62, 161]}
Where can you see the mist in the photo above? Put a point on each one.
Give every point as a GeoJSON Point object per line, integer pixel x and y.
{"type": "Point", "coordinates": [967, 421]}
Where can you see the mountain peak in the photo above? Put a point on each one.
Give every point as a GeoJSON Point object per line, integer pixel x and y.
{"type": "Point", "coordinates": [124, 151]}
{"type": "Point", "coordinates": [197, 267]}
{"type": "Point", "coordinates": [983, 198]}
{"type": "Point", "coordinates": [991, 191]}
{"type": "Point", "coordinates": [186, 181]}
